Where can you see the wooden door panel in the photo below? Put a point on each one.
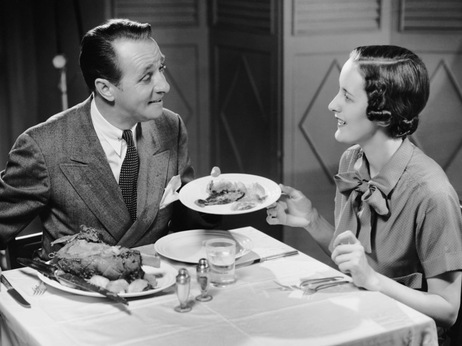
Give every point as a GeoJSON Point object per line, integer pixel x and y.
{"type": "Point", "coordinates": [315, 150]}
{"type": "Point", "coordinates": [440, 128]}
{"type": "Point", "coordinates": [246, 95]}
{"type": "Point", "coordinates": [243, 123]}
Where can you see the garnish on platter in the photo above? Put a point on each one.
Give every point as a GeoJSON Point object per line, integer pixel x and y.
{"type": "Point", "coordinates": [116, 268]}
{"type": "Point", "coordinates": [224, 191]}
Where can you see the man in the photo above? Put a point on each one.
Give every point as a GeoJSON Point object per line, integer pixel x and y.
{"type": "Point", "coordinates": [70, 169]}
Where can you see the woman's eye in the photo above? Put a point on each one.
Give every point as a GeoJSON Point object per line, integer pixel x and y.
{"type": "Point", "coordinates": [162, 68]}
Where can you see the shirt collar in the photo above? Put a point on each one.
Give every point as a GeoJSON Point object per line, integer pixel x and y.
{"type": "Point", "coordinates": [106, 130]}
{"type": "Point", "coordinates": [390, 174]}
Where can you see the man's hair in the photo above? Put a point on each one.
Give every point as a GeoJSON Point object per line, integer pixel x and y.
{"type": "Point", "coordinates": [98, 58]}
{"type": "Point", "coordinates": [397, 86]}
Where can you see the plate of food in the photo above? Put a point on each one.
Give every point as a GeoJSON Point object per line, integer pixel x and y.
{"type": "Point", "coordinates": [189, 246]}
{"type": "Point", "coordinates": [164, 278]}
{"type": "Point", "coordinates": [121, 270]}
{"type": "Point", "coordinates": [229, 194]}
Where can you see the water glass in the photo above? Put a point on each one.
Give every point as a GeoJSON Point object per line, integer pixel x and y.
{"type": "Point", "coordinates": [221, 254]}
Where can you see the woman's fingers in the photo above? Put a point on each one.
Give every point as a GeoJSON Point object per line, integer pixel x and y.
{"type": "Point", "coordinates": [346, 237]}
{"type": "Point", "coordinates": [273, 213]}
{"type": "Point", "coordinates": [290, 191]}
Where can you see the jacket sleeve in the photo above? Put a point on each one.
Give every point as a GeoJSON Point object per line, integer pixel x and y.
{"type": "Point", "coordinates": [24, 188]}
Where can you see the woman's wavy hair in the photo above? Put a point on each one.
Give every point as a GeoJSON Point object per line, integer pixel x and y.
{"type": "Point", "coordinates": [98, 58]}
{"type": "Point", "coordinates": [397, 86]}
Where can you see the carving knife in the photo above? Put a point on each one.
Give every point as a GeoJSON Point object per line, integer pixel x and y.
{"type": "Point", "coordinates": [15, 294]}
{"type": "Point", "coordinates": [70, 279]}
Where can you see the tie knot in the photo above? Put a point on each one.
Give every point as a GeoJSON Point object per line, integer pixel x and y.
{"type": "Point", "coordinates": [128, 137]}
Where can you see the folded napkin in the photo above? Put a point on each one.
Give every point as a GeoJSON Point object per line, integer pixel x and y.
{"type": "Point", "coordinates": [170, 193]}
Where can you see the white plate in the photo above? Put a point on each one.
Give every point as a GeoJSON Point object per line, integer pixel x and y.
{"type": "Point", "coordinates": [165, 278]}
{"type": "Point", "coordinates": [189, 246]}
{"type": "Point", "coordinates": [197, 189]}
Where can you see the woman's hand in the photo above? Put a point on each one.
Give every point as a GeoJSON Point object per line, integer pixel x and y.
{"type": "Point", "coordinates": [350, 258]}
{"type": "Point", "coordinates": [292, 209]}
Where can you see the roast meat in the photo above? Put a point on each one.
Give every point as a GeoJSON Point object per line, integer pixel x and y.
{"type": "Point", "coordinates": [86, 255]}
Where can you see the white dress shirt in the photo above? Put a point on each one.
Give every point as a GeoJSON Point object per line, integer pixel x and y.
{"type": "Point", "coordinates": [111, 140]}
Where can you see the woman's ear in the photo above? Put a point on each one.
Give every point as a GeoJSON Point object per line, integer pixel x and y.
{"type": "Point", "coordinates": [385, 123]}
{"type": "Point", "coordinates": [105, 89]}
{"type": "Point", "coordinates": [382, 118]}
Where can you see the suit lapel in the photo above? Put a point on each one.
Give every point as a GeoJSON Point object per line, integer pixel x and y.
{"type": "Point", "coordinates": [92, 178]}
{"type": "Point", "coordinates": [151, 182]}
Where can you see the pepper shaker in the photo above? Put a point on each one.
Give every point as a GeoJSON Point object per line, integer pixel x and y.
{"type": "Point", "coordinates": [182, 290]}
{"type": "Point", "coordinates": [203, 270]}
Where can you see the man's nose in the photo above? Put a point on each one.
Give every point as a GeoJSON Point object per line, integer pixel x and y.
{"type": "Point", "coordinates": [161, 85]}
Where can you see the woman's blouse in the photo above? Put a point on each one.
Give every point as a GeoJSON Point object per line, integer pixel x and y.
{"type": "Point", "coordinates": [415, 218]}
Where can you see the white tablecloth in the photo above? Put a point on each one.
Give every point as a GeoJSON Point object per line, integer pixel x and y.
{"type": "Point", "coordinates": [253, 311]}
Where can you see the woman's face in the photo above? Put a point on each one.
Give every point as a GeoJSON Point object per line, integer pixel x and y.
{"type": "Point", "coordinates": [349, 107]}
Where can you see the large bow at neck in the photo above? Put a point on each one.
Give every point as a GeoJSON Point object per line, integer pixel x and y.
{"type": "Point", "coordinates": [364, 201]}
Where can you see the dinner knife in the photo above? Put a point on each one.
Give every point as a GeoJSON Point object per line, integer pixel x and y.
{"type": "Point", "coordinates": [267, 258]}
{"type": "Point", "coordinates": [85, 285]}
{"type": "Point", "coordinates": [52, 272]}
{"type": "Point", "coordinates": [15, 294]}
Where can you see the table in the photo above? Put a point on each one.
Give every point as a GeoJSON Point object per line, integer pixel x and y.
{"type": "Point", "coordinates": [253, 311]}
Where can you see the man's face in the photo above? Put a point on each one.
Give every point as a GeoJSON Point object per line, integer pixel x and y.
{"type": "Point", "coordinates": [139, 94]}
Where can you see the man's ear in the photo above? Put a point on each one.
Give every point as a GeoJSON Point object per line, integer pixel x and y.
{"type": "Point", "coordinates": [104, 88]}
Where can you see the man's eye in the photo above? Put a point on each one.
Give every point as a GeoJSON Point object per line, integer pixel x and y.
{"type": "Point", "coordinates": [162, 68]}
{"type": "Point", "coordinates": [147, 77]}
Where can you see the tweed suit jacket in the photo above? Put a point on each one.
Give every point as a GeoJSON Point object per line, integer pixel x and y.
{"type": "Point", "coordinates": [59, 171]}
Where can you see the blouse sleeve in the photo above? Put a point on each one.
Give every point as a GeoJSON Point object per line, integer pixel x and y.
{"type": "Point", "coordinates": [439, 233]}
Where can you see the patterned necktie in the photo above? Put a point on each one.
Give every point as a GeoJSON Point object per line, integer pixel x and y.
{"type": "Point", "coordinates": [365, 201]}
{"type": "Point", "coordinates": [129, 174]}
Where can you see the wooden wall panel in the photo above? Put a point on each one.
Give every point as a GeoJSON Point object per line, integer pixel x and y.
{"type": "Point", "coordinates": [173, 13]}
{"type": "Point", "coordinates": [430, 15]}
{"type": "Point", "coordinates": [319, 16]}
{"type": "Point", "coordinates": [255, 16]}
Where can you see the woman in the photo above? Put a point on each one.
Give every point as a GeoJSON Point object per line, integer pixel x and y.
{"type": "Point", "coordinates": [398, 226]}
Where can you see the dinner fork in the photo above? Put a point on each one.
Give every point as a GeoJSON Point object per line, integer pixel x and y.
{"type": "Point", "coordinates": [313, 287]}
{"type": "Point", "coordinates": [40, 289]}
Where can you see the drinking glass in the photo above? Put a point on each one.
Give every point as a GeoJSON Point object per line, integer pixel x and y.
{"type": "Point", "coordinates": [221, 254]}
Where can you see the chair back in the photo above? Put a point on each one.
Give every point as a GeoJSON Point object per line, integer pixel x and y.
{"type": "Point", "coordinates": [22, 246]}
{"type": "Point", "coordinates": [455, 332]}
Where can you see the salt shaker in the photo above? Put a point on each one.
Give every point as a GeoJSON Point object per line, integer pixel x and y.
{"type": "Point", "coordinates": [203, 270]}
{"type": "Point", "coordinates": [183, 281]}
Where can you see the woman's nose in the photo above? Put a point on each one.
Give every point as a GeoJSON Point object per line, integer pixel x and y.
{"type": "Point", "coordinates": [333, 105]}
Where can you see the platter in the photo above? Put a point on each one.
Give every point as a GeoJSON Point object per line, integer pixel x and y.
{"type": "Point", "coordinates": [189, 246]}
{"type": "Point", "coordinates": [197, 189]}
{"type": "Point", "coordinates": [165, 278]}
